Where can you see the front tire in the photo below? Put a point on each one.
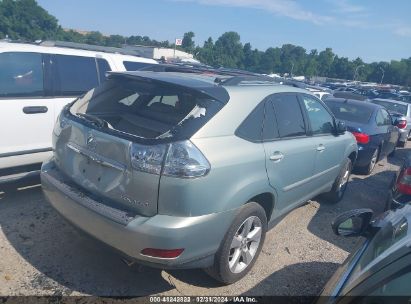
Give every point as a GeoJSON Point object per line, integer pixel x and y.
{"type": "Point", "coordinates": [241, 245]}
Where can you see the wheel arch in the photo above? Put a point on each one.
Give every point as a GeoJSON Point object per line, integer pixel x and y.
{"type": "Point", "coordinates": [266, 200]}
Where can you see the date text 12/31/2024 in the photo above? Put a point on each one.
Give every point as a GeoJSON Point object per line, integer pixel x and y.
{"type": "Point", "coordinates": [202, 299]}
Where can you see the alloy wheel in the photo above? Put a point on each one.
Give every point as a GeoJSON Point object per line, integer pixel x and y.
{"type": "Point", "coordinates": [373, 160]}
{"type": "Point", "coordinates": [244, 245]}
{"type": "Point", "coordinates": [344, 180]}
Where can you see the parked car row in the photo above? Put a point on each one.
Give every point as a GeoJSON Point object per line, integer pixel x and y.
{"type": "Point", "coordinates": [378, 130]}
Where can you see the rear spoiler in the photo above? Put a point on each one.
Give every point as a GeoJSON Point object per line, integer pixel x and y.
{"type": "Point", "coordinates": [209, 89]}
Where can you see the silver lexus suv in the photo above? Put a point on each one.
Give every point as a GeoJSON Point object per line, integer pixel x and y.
{"type": "Point", "coordinates": [189, 170]}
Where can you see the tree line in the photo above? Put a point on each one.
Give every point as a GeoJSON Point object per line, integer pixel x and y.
{"type": "Point", "coordinates": [26, 20]}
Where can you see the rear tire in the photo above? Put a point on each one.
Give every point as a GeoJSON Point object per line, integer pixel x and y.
{"type": "Point", "coordinates": [340, 185]}
{"type": "Point", "coordinates": [241, 245]}
{"type": "Point", "coordinates": [367, 170]}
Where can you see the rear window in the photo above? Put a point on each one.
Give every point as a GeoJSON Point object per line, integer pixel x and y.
{"type": "Point", "coordinates": [147, 110]}
{"type": "Point", "coordinates": [350, 112]}
{"type": "Point", "coordinates": [134, 66]}
{"type": "Point", "coordinates": [392, 106]}
{"type": "Point", "coordinates": [21, 74]}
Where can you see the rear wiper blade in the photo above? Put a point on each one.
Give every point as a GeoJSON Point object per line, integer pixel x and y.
{"type": "Point", "coordinates": [94, 120]}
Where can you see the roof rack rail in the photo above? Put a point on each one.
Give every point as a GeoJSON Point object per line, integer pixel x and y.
{"type": "Point", "coordinates": [245, 79]}
{"type": "Point", "coordinates": [224, 76]}
{"type": "Point", "coordinates": [191, 68]}
{"type": "Point", "coordinates": [90, 47]}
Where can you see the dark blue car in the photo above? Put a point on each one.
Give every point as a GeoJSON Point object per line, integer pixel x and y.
{"type": "Point", "coordinates": [373, 127]}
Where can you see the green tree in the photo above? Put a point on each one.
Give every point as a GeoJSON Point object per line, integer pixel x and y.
{"type": "Point", "coordinates": [188, 44]}
{"type": "Point", "coordinates": [228, 50]}
{"type": "Point", "coordinates": [26, 20]}
{"type": "Point", "coordinates": [115, 40]}
{"type": "Point", "coordinates": [270, 61]}
{"type": "Point", "coordinates": [206, 53]}
{"type": "Point", "coordinates": [325, 60]}
{"type": "Point", "coordinates": [251, 59]}
{"type": "Point", "coordinates": [311, 65]}
{"type": "Point", "coordinates": [95, 38]}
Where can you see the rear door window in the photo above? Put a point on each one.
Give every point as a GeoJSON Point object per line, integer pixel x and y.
{"type": "Point", "coordinates": [74, 74]}
{"type": "Point", "coordinates": [289, 118]}
{"type": "Point", "coordinates": [21, 74]}
{"type": "Point", "coordinates": [270, 130]}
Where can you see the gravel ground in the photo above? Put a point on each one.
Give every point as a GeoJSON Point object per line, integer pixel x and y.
{"type": "Point", "coordinates": [40, 254]}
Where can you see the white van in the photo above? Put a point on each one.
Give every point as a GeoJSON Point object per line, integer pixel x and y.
{"type": "Point", "coordinates": [36, 82]}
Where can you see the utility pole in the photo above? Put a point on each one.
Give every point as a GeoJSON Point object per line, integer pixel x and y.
{"type": "Point", "coordinates": [175, 45]}
{"type": "Point", "coordinates": [383, 73]}
{"type": "Point", "coordinates": [356, 71]}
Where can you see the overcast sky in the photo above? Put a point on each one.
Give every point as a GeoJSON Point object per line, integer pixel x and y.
{"type": "Point", "coordinates": [373, 30]}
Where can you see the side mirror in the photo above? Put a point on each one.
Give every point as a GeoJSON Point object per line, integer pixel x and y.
{"type": "Point", "coordinates": [341, 127]}
{"type": "Point", "coordinates": [352, 223]}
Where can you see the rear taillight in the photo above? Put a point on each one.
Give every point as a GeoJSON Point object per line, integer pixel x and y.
{"type": "Point", "coordinates": [162, 253]}
{"type": "Point", "coordinates": [179, 159]}
{"type": "Point", "coordinates": [402, 124]}
{"type": "Point", "coordinates": [185, 160]}
{"type": "Point", "coordinates": [361, 138]}
{"type": "Point", "coordinates": [404, 181]}
{"type": "Point", "coordinates": [147, 158]}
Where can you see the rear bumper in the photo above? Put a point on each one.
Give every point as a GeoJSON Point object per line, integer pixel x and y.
{"type": "Point", "coordinates": [200, 236]}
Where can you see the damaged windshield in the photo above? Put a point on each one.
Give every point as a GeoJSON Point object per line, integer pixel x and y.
{"type": "Point", "coordinates": [146, 110]}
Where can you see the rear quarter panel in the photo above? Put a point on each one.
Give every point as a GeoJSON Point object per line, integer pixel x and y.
{"type": "Point", "coordinates": [237, 174]}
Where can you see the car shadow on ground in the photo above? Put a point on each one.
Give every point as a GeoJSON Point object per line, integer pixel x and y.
{"type": "Point", "coordinates": [308, 286]}
{"type": "Point", "coordinates": [67, 260]}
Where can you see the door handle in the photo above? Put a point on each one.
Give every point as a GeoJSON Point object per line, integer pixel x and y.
{"type": "Point", "coordinates": [276, 156]}
{"type": "Point", "coordinates": [35, 110]}
{"type": "Point", "coordinates": [320, 148]}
